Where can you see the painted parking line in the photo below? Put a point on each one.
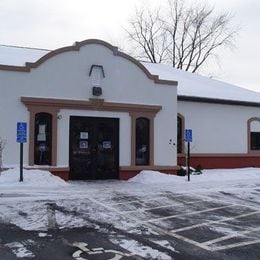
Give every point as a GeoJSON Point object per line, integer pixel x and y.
{"type": "Point", "coordinates": [225, 202]}
{"type": "Point", "coordinates": [188, 213]}
{"type": "Point", "coordinates": [214, 222]}
{"type": "Point", "coordinates": [238, 233]}
{"type": "Point", "coordinates": [159, 207]}
{"type": "Point", "coordinates": [163, 231]}
{"type": "Point", "coordinates": [219, 248]}
{"type": "Point", "coordinates": [141, 200]}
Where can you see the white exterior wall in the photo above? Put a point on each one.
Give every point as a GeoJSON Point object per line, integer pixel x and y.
{"type": "Point", "coordinates": [217, 128]}
{"type": "Point", "coordinates": [66, 76]}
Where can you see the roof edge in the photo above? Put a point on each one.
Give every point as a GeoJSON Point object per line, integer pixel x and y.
{"type": "Point", "coordinates": [76, 47]}
{"type": "Point", "coordinates": [218, 101]}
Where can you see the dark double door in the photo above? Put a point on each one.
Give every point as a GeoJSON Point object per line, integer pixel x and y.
{"type": "Point", "coordinates": [94, 148]}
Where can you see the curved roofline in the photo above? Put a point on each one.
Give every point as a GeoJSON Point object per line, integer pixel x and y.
{"type": "Point", "coordinates": [76, 47]}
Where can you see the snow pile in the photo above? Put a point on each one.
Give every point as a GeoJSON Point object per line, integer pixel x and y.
{"type": "Point", "coordinates": [218, 175]}
{"type": "Point", "coordinates": [150, 177]}
{"type": "Point", "coordinates": [32, 178]}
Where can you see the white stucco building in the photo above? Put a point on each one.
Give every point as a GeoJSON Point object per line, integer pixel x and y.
{"type": "Point", "coordinates": [94, 112]}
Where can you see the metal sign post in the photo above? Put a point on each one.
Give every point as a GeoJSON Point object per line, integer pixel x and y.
{"type": "Point", "coordinates": [188, 139]}
{"type": "Point", "coordinates": [21, 137]}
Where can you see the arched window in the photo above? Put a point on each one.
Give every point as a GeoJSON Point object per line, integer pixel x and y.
{"type": "Point", "coordinates": [142, 142]}
{"type": "Point", "coordinates": [254, 134]}
{"type": "Point", "coordinates": [43, 139]}
{"type": "Point", "coordinates": [180, 133]}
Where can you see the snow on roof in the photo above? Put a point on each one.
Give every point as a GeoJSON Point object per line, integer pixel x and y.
{"type": "Point", "coordinates": [18, 56]}
{"type": "Point", "coordinates": [194, 85]}
{"type": "Point", "coordinates": [189, 84]}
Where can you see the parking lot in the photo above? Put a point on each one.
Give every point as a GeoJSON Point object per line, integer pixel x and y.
{"type": "Point", "coordinates": [121, 220]}
{"type": "Point", "coordinates": [209, 223]}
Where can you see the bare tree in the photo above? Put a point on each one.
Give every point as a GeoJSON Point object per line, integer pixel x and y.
{"type": "Point", "coordinates": [184, 36]}
{"type": "Point", "coordinates": [2, 146]}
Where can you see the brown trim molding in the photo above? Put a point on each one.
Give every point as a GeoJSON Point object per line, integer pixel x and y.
{"type": "Point", "coordinates": [92, 104]}
{"type": "Point", "coordinates": [249, 121]}
{"type": "Point", "coordinates": [76, 47]}
{"type": "Point", "coordinates": [217, 101]}
{"type": "Point", "coordinates": [150, 116]}
{"type": "Point", "coordinates": [33, 111]}
{"type": "Point", "coordinates": [53, 106]}
{"type": "Point", "coordinates": [220, 155]}
{"type": "Point", "coordinates": [183, 132]}
{"type": "Point", "coordinates": [148, 167]}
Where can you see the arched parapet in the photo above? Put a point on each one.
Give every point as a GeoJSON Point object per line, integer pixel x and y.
{"type": "Point", "coordinates": [76, 47]}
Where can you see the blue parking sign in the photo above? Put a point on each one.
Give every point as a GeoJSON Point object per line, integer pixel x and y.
{"type": "Point", "coordinates": [188, 135]}
{"type": "Point", "coordinates": [21, 132]}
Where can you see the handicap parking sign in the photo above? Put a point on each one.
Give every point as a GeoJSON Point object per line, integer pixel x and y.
{"type": "Point", "coordinates": [21, 132]}
{"type": "Point", "coordinates": [188, 135]}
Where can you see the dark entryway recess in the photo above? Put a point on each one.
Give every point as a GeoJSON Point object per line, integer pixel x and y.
{"type": "Point", "coordinates": [94, 148]}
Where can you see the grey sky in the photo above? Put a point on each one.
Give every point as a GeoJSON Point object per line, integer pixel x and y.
{"type": "Point", "coordinates": [56, 23]}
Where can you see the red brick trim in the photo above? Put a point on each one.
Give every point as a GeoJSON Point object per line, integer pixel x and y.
{"type": "Point", "coordinates": [218, 161]}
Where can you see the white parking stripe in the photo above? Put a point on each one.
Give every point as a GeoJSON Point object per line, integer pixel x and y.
{"type": "Point", "coordinates": [214, 222]}
{"type": "Point", "coordinates": [188, 213]}
{"type": "Point", "coordinates": [235, 245]}
{"type": "Point", "coordinates": [142, 200]}
{"type": "Point", "coordinates": [226, 202]}
{"type": "Point", "coordinates": [159, 207]}
{"type": "Point", "coordinates": [173, 234]}
{"type": "Point", "coordinates": [240, 233]}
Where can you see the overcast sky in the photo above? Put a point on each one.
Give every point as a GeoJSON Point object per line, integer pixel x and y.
{"type": "Point", "coordinates": [56, 23]}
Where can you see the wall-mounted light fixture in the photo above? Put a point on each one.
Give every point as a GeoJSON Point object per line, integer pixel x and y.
{"type": "Point", "coordinates": [97, 74]}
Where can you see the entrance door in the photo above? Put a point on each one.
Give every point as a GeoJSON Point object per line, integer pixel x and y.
{"type": "Point", "coordinates": [94, 148]}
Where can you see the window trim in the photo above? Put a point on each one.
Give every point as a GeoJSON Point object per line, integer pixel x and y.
{"type": "Point", "coordinates": [183, 132]}
{"type": "Point", "coordinates": [148, 126]}
{"type": "Point", "coordinates": [53, 106]}
{"type": "Point", "coordinates": [249, 121]}
{"type": "Point", "coordinates": [150, 117]}
{"type": "Point", "coordinates": [35, 137]}
{"type": "Point", "coordinates": [54, 113]}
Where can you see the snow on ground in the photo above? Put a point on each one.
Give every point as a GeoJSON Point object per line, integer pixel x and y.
{"type": "Point", "coordinates": [209, 181]}
{"type": "Point", "coordinates": [20, 250]}
{"type": "Point", "coordinates": [154, 177]}
{"type": "Point", "coordinates": [35, 178]}
{"type": "Point", "coordinates": [44, 201]}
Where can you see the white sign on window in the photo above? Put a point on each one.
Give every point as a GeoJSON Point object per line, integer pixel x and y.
{"type": "Point", "coordinates": [83, 135]}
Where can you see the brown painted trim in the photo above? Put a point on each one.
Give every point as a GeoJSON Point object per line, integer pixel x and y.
{"type": "Point", "coordinates": [56, 169]}
{"type": "Point", "coordinates": [92, 104]}
{"type": "Point", "coordinates": [148, 167]}
{"type": "Point", "coordinates": [183, 132]}
{"type": "Point", "coordinates": [34, 109]}
{"type": "Point", "coordinates": [76, 47]}
{"type": "Point", "coordinates": [150, 116]}
{"type": "Point", "coordinates": [249, 121]}
{"type": "Point", "coordinates": [221, 155]}
{"type": "Point", "coordinates": [53, 106]}
{"type": "Point", "coordinates": [218, 101]}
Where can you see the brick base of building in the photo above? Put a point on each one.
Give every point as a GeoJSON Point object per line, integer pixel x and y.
{"type": "Point", "coordinates": [221, 161]}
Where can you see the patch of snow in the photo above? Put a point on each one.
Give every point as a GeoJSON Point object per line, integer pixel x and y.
{"type": "Point", "coordinates": [17, 56]}
{"type": "Point", "coordinates": [218, 175]}
{"type": "Point", "coordinates": [165, 244]}
{"type": "Point", "coordinates": [32, 178]}
{"type": "Point", "coordinates": [43, 234]}
{"type": "Point", "coordinates": [191, 84]}
{"type": "Point", "coordinates": [20, 250]}
{"type": "Point", "coordinates": [138, 249]}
